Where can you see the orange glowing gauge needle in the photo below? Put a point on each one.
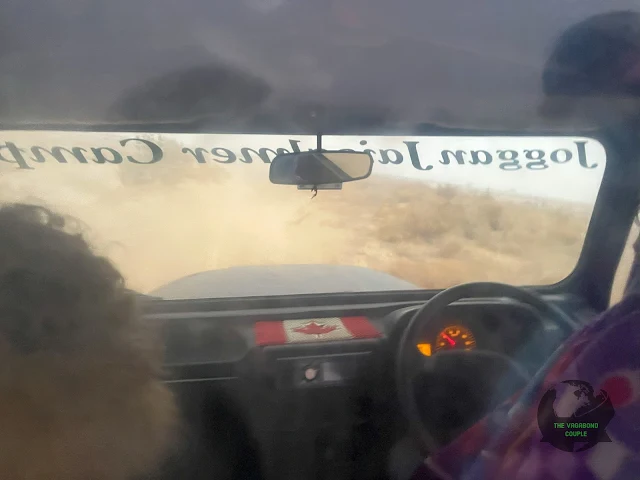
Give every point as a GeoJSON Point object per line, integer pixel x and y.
{"type": "Point", "coordinates": [449, 339]}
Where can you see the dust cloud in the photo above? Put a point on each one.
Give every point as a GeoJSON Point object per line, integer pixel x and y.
{"type": "Point", "coordinates": [160, 222]}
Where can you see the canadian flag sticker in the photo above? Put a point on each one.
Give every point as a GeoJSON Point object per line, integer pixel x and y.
{"type": "Point", "coordinates": [314, 330]}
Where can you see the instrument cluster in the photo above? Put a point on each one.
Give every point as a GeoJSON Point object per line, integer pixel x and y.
{"type": "Point", "coordinates": [504, 330]}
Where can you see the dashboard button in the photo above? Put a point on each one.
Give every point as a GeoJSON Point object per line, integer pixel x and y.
{"type": "Point", "coordinates": [310, 373]}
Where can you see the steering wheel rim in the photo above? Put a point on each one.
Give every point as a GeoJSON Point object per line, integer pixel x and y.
{"type": "Point", "coordinates": [428, 312]}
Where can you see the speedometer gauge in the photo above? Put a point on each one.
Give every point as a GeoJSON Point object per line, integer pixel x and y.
{"type": "Point", "coordinates": [455, 337]}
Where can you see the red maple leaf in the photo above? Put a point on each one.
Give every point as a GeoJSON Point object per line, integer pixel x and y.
{"type": "Point", "coordinates": [313, 328]}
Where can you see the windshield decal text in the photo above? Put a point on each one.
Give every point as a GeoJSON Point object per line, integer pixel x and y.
{"type": "Point", "coordinates": [418, 154]}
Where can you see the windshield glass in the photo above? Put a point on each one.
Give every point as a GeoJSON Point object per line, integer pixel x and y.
{"type": "Point", "coordinates": [436, 211]}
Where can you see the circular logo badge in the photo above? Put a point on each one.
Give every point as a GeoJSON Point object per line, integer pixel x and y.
{"type": "Point", "coordinates": [573, 418]}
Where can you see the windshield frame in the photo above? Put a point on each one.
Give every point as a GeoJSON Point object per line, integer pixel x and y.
{"type": "Point", "coordinates": [606, 234]}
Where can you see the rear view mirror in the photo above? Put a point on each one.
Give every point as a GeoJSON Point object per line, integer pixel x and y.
{"type": "Point", "coordinates": [319, 168]}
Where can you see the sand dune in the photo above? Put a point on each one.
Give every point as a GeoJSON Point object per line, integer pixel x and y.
{"type": "Point", "coordinates": [168, 221]}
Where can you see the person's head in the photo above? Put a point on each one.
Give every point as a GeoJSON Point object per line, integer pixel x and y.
{"type": "Point", "coordinates": [80, 393]}
{"type": "Point", "coordinates": [594, 69]}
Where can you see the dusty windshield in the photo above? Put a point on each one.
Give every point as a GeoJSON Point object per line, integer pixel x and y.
{"type": "Point", "coordinates": [436, 211]}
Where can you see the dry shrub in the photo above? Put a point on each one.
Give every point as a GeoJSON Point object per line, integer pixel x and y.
{"type": "Point", "coordinates": [455, 235]}
{"type": "Point", "coordinates": [434, 236]}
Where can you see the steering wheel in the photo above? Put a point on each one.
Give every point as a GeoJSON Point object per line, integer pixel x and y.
{"type": "Point", "coordinates": [409, 362]}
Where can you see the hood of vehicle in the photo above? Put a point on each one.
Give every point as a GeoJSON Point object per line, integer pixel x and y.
{"type": "Point", "coordinates": [273, 280]}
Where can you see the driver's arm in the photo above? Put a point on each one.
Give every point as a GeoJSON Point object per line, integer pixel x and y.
{"type": "Point", "coordinates": [459, 457]}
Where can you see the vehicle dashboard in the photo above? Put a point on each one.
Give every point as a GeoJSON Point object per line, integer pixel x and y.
{"type": "Point", "coordinates": [322, 408]}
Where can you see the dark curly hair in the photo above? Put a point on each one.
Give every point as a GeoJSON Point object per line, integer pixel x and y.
{"type": "Point", "coordinates": [79, 374]}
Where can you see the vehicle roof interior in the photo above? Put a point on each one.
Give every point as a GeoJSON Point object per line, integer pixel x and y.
{"type": "Point", "coordinates": [288, 67]}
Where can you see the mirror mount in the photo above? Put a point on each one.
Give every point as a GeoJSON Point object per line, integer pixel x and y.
{"type": "Point", "coordinates": [314, 188]}
{"type": "Point", "coordinates": [326, 186]}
